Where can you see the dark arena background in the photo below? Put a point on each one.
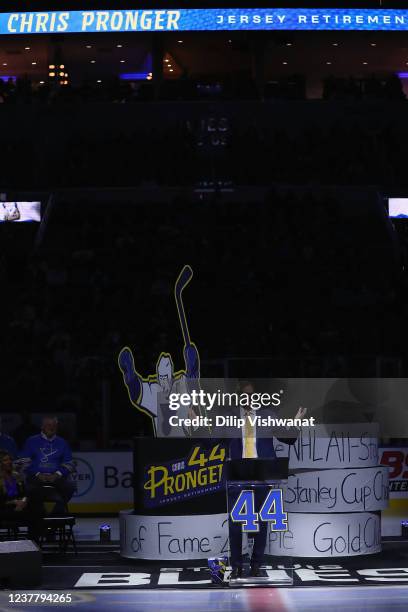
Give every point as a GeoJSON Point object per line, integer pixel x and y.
{"type": "Point", "coordinates": [203, 195]}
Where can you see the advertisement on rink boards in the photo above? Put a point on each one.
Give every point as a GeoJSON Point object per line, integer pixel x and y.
{"type": "Point", "coordinates": [396, 459]}
{"type": "Point", "coordinates": [104, 482]}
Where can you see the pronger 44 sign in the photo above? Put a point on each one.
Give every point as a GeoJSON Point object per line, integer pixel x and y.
{"type": "Point", "coordinates": [199, 474]}
{"type": "Point", "coordinates": [201, 19]}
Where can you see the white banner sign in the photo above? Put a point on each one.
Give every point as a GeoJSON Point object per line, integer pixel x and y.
{"type": "Point", "coordinates": [327, 535]}
{"type": "Point", "coordinates": [332, 446]}
{"type": "Point", "coordinates": [358, 490]}
{"type": "Point", "coordinates": [174, 537]}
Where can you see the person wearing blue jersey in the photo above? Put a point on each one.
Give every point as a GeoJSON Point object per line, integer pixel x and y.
{"type": "Point", "coordinates": [49, 462]}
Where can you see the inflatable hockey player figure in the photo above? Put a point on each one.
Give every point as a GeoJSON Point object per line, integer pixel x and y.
{"type": "Point", "coordinates": [151, 394]}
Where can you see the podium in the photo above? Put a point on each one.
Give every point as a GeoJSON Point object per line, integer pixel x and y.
{"type": "Point", "coordinates": [255, 508]}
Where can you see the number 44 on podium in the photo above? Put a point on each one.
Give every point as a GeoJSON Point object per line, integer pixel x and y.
{"type": "Point", "coordinates": [271, 511]}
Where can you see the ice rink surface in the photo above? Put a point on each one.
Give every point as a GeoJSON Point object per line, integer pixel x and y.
{"type": "Point", "coordinates": [335, 599]}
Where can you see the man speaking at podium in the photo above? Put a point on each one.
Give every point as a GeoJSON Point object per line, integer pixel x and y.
{"type": "Point", "coordinates": [251, 446]}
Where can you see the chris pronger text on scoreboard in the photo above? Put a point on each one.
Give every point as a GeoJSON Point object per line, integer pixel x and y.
{"type": "Point", "coordinates": [201, 19]}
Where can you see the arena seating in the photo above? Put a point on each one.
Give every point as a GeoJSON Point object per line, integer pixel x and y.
{"type": "Point", "coordinates": [89, 289]}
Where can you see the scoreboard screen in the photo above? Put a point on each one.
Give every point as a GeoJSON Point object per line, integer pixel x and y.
{"type": "Point", "coordinates": [20, 211]}
{"type": "Point", "coordinates": [142, 19]}
{"type": "Point", "coordinates": [398, 208]}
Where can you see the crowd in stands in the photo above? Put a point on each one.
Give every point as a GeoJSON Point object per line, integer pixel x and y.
{"type": "Point", "coordinates": [372, 88]}
{"type": "Point", "coordinates": [244, 147]}
{"type": "Point", "coordinates": [288, 278]}
{"type": "Point", "coordinates": [117, 91]}
{"type": "Point", "coordinates": [24, 91]}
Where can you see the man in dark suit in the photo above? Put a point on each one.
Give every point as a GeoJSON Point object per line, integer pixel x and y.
{"type": "Point", "coordinates": [251, 446]}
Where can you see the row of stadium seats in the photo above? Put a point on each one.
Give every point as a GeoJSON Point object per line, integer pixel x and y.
{"type": "Point", "coordinates": [229, 87]}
